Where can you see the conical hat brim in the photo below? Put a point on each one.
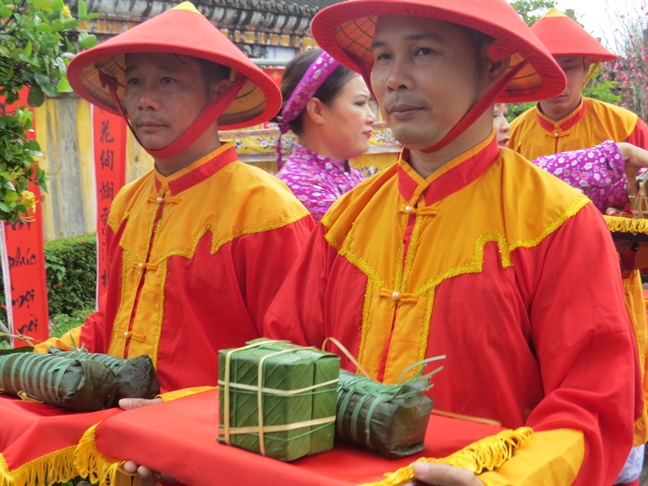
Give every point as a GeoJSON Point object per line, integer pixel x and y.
{"type": "Point", "coordinates": [176, 32]}
{"type": "Point", "coordinates": [346, 31]}
{"type": "Point", "coordinates": [563, 36]}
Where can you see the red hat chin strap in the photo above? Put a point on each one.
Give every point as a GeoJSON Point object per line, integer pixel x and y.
{"type": "Point", "coordinates": [204, 120]}
{"type": "Point", "coordinates": [478, 109]}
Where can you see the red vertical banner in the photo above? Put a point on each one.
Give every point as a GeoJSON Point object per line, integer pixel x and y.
{"type": "Point", "coordinates": [276, 73]}
{"type": "Point", "coordinates": [109, 140]}
{"type": "Point", "coordinates": [23, 269]}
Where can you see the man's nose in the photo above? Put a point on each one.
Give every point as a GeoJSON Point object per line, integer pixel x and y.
{"type": "Point", "coordinates": [398, 78]}
{"type": "Point", "coordinates": [148, 98]}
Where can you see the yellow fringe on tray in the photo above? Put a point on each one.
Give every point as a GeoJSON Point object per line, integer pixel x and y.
{"type": "Point", "coordinates": [95, 466]}
{"type": "Point", "coordinates": [484, 455]}
{"type": "Point", "coordinates": [56, 467]}
{"type": "Point", "coordinates": [618, 224]}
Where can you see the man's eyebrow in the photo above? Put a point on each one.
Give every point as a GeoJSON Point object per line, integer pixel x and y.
{"type": "Point", "coordinates": [162, 67]}
{"type": "Point", "coordinates": [411, 37]}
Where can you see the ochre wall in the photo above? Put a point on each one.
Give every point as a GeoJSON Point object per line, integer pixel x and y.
{"type": "Point", "coordinates": [64, 131]}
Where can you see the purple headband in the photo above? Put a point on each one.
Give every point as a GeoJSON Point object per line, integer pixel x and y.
{"type": "Point", "coordinates": [315, 75]}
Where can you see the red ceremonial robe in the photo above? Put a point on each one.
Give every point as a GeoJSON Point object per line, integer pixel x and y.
{"type": "Point", "coordinates": [487, 261]}
{"type": "Point", "coordinates": [195, 260]}
{"type": "Point", "coordinates": [534, 135]}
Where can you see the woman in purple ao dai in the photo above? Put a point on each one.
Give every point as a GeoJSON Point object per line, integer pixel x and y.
{"type": "Point", "coordinates": [328, 109]}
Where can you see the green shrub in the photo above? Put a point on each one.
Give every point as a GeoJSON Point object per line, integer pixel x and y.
{"type": "Point", "coordinates": [62, 323]}
{"type": "Point", "coordinates": [71, 267]}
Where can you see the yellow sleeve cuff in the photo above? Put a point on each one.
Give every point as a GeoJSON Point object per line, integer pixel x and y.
{"type": "Point", "coordinates": [63, 343]}
{"type": "Point", "coordinates": [184, 392]}
{"type": "Point", "coordinates": [548, 458]}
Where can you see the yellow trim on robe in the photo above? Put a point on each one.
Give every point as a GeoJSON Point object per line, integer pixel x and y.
{"type": "Point", "coordinates": [464, 253]}
{"type": "Point", "coordinates": [634, 301]}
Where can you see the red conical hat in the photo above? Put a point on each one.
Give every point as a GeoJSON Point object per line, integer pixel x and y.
{"type": "Point", "coordinates": [563, 36]}
{"type": "Point", "coordinates": [181, 30]}
{"type": "Point", "coordinates": [346, 31]}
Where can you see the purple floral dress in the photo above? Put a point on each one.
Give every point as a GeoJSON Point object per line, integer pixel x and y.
{"type": "Point", "coordinates": [597, 171]}
{"type": "Point", "coordinates": [317, 181]}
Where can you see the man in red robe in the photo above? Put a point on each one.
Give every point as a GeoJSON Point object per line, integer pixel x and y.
{"type": "Point", "coordinates": [467, 250]}
{"type": "Point", "coordinates": [197, 247]}
{"type": "Point", "coordinates": [571, 121]}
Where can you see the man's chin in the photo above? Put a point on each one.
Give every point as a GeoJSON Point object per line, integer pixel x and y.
{"type": "Point", "coordinates": [150, 143]}
{"type": "Point", "coordinates": [414, 140]}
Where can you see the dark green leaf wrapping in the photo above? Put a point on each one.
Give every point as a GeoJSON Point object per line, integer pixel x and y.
{"type": "Point", "coordinates": [397, 425]}
{"type": "Point", "coordinates": [301, 368]}
{"type": "Point", "coordinates": [136, 377]}
{"type": "Point", "coordinates": [83, 386]}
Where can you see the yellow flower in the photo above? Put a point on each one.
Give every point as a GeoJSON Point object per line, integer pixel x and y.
{"type": "Point", "coordinates": [66, 12]}
{"type": "Point", "coordinates": [29, 199]}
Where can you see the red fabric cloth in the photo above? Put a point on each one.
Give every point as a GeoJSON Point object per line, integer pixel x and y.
{"type": "Point", "coordinates": [33, 430]}
{"type": "Point", "coordinates": [179, 439]}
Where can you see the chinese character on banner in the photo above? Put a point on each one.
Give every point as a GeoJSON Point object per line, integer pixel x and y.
{"type": "Point", "coordinates": [109, 134]}
{"type": "Point", "coordinates": [23, 269]}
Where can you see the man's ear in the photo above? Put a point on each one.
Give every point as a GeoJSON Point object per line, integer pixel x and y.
{"type": "Point", "coordinates": [495, 60]}
{"type": "Point", "coordinates": [498, 69]}
{"type": "Point", "coordinates": [314, 110]}
{"type": "Point", "coordinates": [219, 87]}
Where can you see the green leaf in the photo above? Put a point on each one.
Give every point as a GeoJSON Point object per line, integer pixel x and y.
{"type": "Point", "coordinates": [57, 5]}
{"type": "Point", "coordinates": [60, 64]}
{"type": "Point", "coordinates": [70, 24]}
{"type": "Point", "coordinates": [43, 28]}
{"type": "Point", "coordinates": [9, 186]}
{"type": "Point", "coordinates": [28, 49]}
{"type": "Point", "coordinates": [43, 5]}
{"type": "Point", "coordinates": [5, 11]}
{"type": "Point", "coordinates": [83, 9]}
{"type": "Point", "coordinates": [33, 145]}
{"type": "Point", "coordinates": [57, 25]}
{"type": "Point", "coordinates": [4, 52]}
{"type": "Point", "coordinates": [87, 40]}
{"type": "Point", "coordinates": [36, 97]}
{"type": "Point", "coordinates": [63, 85]}
{"type": "Point", "coordinates": [4, 207]}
